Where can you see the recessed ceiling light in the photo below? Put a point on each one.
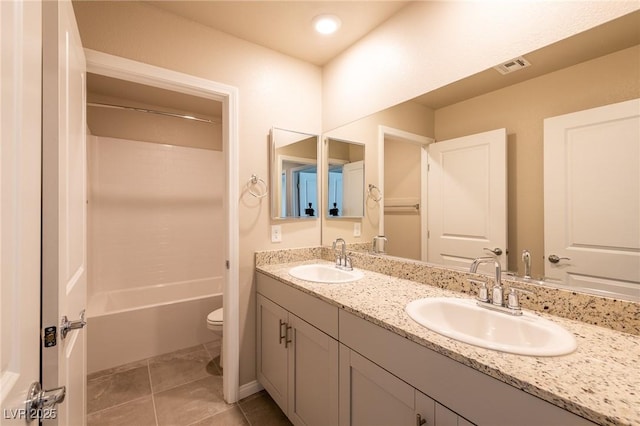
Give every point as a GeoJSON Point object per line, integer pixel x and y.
{"type": "Point", "coordinates": [326, 24]}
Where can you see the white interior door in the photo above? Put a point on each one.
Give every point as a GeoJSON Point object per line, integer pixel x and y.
{"type": "Point", "coordinates": [353, 189]}
{"type": "Point", "coordinates": [20, 145]}
{"type": "Point", "coordinates": [467, 205]}
{"type": "Point", "coordinates": [592, 199]}
{"type": "Point", "coordinates": [64, 205]}
{"type": "Point", "coordinates": [307, 190]}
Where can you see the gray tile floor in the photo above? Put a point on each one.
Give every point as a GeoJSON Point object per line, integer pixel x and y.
{"type": "Point", "coordinates": [183, 388]}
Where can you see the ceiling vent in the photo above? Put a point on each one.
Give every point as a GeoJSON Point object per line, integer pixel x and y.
{"type": "Point", "coordinates": [512, 65]}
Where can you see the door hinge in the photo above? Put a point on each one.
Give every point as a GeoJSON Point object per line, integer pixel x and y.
{"type": "Point", "coordinates": [428, 167]}
{"type": "Point", "coordinates": [226, 263]}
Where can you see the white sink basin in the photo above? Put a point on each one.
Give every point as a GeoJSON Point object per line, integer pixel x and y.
{"type": "Point", "coordinates": [324, 274]}
{"type": "Point", "coordinates": [463, 320]}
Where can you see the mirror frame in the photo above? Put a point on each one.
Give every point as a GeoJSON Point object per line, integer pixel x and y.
{"type": "Point", "coordinates": [274, 181]}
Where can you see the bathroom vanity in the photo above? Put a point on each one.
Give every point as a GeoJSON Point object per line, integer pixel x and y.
{"type": "Point", "coordinates": [348, 354]}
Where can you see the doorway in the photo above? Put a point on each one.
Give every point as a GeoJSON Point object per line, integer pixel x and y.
{"type": "Point", "coordinates": [404, 201]}
{"type": "Point", "coordinates": [123, 69]}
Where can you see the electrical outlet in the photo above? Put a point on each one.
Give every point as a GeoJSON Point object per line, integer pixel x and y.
{"type": "Point", "coordinates": [276, 233]}
{"type": "Point", "coordinates": [357, 230]}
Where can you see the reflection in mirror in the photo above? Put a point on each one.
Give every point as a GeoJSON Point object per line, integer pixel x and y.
{"type": "Point", "coordinates": [569, 76]}
{"type": "Point", "coordinates": [294, 174]}
{"type": "Point", "coordinates": [345, 190]}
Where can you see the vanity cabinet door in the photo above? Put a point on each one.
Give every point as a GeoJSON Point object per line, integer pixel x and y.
{"type": "Point", "coordinates": [313, 375]}
{"type": "Point", "coordinates": [446, 417]}
{"type": "Point", "coordinates": [297, 364]}
{"type": "Point", "coordinates": [370, 395]}
{"type": "Point", "coordinates": [272, 355]}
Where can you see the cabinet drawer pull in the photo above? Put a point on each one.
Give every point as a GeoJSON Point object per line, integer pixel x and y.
{"type": "Point", "coordinates": [282, 335]}
{"type": "Point", "coordinates": [420, 421]}
{"type": "Point", "coordinates": [287, 340]}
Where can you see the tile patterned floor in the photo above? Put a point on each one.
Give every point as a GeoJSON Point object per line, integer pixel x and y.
{"type": "Point", "coordinates": [183, 388]}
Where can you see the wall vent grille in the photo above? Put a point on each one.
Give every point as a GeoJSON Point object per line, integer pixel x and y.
{"type": "Point", "coordinates": [512, 65]}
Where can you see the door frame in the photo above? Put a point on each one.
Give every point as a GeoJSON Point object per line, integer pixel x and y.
{"type": "Point", "coordinates": [423, 142]}
{"type": "Point", "coordinates": [138, 72]}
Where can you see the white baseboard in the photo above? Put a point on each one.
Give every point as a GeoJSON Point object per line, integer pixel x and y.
{"type": "Point", "coordinates": [249, 389]}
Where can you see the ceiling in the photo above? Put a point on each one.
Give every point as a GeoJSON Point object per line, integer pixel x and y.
{"type": "Point", "coordinates": [604, 39]}
{"type": "Point", "coordinates": [286, 26]}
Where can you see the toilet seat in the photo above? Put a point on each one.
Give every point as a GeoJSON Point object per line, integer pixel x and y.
{"type": "Point", "coordinates": [215, 320]}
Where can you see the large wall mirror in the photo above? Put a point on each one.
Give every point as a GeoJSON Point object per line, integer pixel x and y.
{"type": "Point", "coordinates": [596, 68]}
{"type": "Point", "coordinates": [294, 174]}
{"type": "Point", "coordinates": [345, 182]}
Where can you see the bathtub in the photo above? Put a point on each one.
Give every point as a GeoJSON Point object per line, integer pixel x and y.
{"type": "Point", "coordinates": [129, 325]}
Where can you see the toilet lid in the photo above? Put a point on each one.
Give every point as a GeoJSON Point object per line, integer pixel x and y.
{"type": "Point", "coordinates": [215, 316]}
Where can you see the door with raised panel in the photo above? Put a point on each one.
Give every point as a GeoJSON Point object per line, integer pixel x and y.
{"type": "Point", "coordinates": [64, 196]}
{"type": "Point", "coordinates": [313, 375]}
{"type": "Point", "coordinates": [271, 350]}
{"type": "Point", "coordinates": [20, 147]}
{"type": "Point", "coordinates": [353, 189]}
{"type": "Point", "coordinates": [467, 194]}
{"type": "Point", "coordinates": [592, 199]}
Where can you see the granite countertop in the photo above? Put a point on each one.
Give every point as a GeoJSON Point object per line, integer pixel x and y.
{"type": "Point", "coordinates": [599, 381]}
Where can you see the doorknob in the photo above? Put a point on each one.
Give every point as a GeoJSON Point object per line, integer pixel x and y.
{"type": "Point", "coordinates": [555, 259]}
{"type": "Point", "coordinates": [39, 399]}
{"type": "Point", "coordinates": [497, 251]}
{"type": "Point", "coordinates": [67, 325]}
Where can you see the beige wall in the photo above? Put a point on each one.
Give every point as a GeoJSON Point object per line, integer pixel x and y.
{"type": "Point", "coordinates": [427, 45]}
{"type": "Point", "coordinates": [521, 108]}
{"type": "Point", "coordinates": [402, 183]}
{"type": "Point", "coordinates": [272, 88]}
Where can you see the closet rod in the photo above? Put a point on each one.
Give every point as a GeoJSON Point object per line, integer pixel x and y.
{"type": "Point", "coordinates": [150, 111]}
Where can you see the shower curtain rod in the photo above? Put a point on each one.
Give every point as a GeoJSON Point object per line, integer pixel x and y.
{"type": "Point", "coordinates": [151, 111]}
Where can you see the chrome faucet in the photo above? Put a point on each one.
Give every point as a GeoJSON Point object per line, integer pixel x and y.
{"type": "Point", "coordinates": [497, 291]}
{"type": "Point", "coordinates": [342, 260]}
{"type": "Point", "coordinates": [497, 300]}
{"type": "Point", "coordinates": [526, 258]}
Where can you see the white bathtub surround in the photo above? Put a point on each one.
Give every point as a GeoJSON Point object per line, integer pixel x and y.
{"type": "Point", "coordinates": [129, 325]}
{"type": "Point", "coordinates": [155, 214]}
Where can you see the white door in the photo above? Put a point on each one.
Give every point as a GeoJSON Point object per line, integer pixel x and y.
{"type": "Point", "coordinates": [353, 189]}
{"type": "Point", "coordinates": [307, 193]}
{"type": "Point", "coordinates": [20, 144]}
{"type": "Point", "coordinates": [592, 199]}
{"type": "Point", "coordinates": [467, 198]}
{"type": "Point", "coordinates": [64, 277]}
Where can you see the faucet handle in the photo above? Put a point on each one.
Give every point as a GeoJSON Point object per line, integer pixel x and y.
{"type": "Point", "coordinates": [483, 291]}
{"type": "Point", "coordinates": [513, 300]}
{"type": "Point", "coordinates": [347, 263]}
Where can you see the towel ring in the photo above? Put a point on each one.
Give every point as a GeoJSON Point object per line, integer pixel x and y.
{"type": "Point", "coordinates": [371, 190]}
{"type": "Point", "coordinates": [255, 180]}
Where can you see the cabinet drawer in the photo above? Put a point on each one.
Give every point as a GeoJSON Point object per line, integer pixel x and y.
{"type": "Point", "coordinates": [316, 312]}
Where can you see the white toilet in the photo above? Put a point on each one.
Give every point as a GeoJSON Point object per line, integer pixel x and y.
{"type": "Point", "coordinates": [215, 323]}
